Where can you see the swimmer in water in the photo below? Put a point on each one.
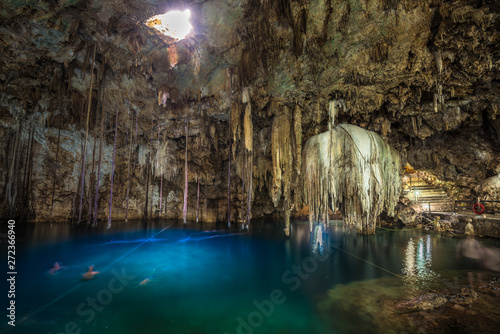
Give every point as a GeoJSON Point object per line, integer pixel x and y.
{"type": "Point", "coordinates": [148, 280]}
{"type": "Point", "coordinates": [56, 267]}
{"type": "Point", "coordinates": [90, 274]}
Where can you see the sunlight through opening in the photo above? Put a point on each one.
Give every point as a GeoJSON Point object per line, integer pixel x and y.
{"type": "Point", "coordinates": [174, 24]}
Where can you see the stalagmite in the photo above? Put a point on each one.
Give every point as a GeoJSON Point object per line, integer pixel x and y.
{"type": "Point", "coordinates": [84, 151]}
{"type": "Point", "coordinates": [184, 209]}
{"type": "Point", "coordinates": [356, 170]}
{"type": "Point", "coordinates": [113, 169]}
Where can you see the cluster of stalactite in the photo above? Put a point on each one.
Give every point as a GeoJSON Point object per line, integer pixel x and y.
{"type": "Point", "coordinates": [354, 170]}
{"type": "Point", "coordinates": [85, 183]}
{"type": "Point", "coordinates": [241, 136]}
{"type": "Point", "coordinates": [20, 167]}
{"type": "Point", "coordinates": [286, 147]}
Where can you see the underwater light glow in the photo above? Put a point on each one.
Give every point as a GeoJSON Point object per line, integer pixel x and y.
{"type": "Point", "coordinates": [174, 24]}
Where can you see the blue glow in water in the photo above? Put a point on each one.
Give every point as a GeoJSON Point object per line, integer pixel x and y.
{"type": "Point", "coordinates": [131, 241]}
{"type": "Point", "coordinates": [182, 279]}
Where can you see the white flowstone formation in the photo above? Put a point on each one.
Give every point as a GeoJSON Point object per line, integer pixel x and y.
{"type": "Point", "coordinates": [354, 170]}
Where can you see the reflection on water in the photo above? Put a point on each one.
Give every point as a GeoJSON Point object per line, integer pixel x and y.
{"type": "Point", "coordinates": [417, 263]}
{"type": "Point", "coordinates": [319, 236]}
{"type": "Point", "coordinates": [201, 278]}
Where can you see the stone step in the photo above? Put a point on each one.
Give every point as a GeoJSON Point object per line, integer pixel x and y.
{"type": "Point", "coordinates": [429, 195]}
{"type": "Point", "coordinates": [443, 200]}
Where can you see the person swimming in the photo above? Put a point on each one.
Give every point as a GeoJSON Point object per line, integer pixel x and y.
{"type": "Point", "coordinates": [149, 279]}
{"type": "Point", "coordinates": [89, 274]}
{"type": "Point", "coordinates": [56, 267]}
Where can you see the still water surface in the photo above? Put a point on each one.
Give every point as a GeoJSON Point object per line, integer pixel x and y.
{"type": "Point", "coordinates": [167, 277]}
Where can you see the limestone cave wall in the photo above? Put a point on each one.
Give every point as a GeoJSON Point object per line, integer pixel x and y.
{"type": "Point", "coordinates": [235, 101]}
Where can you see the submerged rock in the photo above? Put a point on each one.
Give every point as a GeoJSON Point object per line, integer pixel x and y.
{"type": "Point", "coordinates": [386, 305]}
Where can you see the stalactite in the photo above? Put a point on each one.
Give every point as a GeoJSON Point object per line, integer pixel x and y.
{"type": "Point", "coordinates": [101, 135]}
{"type": "Point", "coordinates": [297, 127]}
{"type": "Point", "coordinates": [386, 127]}
{"type": "Point", "coordinates": [439, 61]}
{"type": "Point", "coordinates": [93, 176]}
{"type": "Point", "coordinates": [151, 142]}
{"type": "Point", "coordinates": [287, 220]}
{"type": "Point", "coordinates": [318, 118]}
{"type": "Point", "coordinates": [55, 174]}
{"type": "Point", "coordinates": [113, 169]}
{"type": "Point", "coordinates": [11, 188]}
{"type": "Point", "coordinates": [145, 214]}
{"type": "Point", "coordinates": [158, 148]}
{"type": "Point", "coordinates": [26, 166]}
{"type": "Point", "coordinates": [158, 162]}
{"type": "Point", "coordinates": [357, 170]}
{"type": "Point", "coordinates": [184, 209]}
{"type": "Point", "coordinates": [74, 207]}
{"type": "Point", "coordinates": [248, 164]}
{"type": "Point", "coordinates": [229, 171]}
{"type": "Point", "coordinates": [29, 184]}
{"type": "Point", "coordinates": [96, 198]}
{"type": "Point", "coordinates": [133, 165]}
{"type": "Point", "coordinates": [250, 184]}
{"type": "Point", "coordinates": [25, 154]}
{"type": "Point", "coordinates": [242, 214]}
{"type": "Point", "coordinates": [198, 196]}
{"type": "Point", "coordinates": [235, 126]}
{"type": "Point", "coordinates": [161, 184]}
{"type": "Point", "coordinates": [89, 192]}
{"type": "Point", "coordinates": [414, 125]}
{"type": "Point", "coordinates": [332, 112]}
{"type": "Point", "coordinates": [281, 157]}
{"type": "Point", "coordinates": [128, 167]}
{"type": "Point", "coordinates": [214, 136]}
{"type": "Point", "coordinates": [84, 152]}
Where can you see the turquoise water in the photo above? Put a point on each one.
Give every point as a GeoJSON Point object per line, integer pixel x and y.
{"type": "Point", "coordinates": [167, 277]}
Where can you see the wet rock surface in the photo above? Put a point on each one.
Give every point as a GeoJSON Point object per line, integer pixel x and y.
{"type": "Point", "coordinates": [387, 305]}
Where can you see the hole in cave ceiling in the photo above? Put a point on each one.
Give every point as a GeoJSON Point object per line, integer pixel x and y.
{"type": "Point", "coordinates": [174, 23]}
